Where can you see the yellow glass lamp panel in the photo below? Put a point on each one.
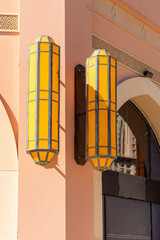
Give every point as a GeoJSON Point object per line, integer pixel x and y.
{"type": "Point", "coordinates": [43, 119]}
{"type": "Point", "coordinates": [91, 105]}
{"type": "Point", "coordinates": [44, 71]}
{"type": "Point", "coordinates": [43, 94]}
{"type": "Point", "coordinates": [103, 128]}
{"type": "Point", "coordinates": [113, 152]}
{"type": "Point", "coordinates": [113, 85]}
{"type": "Point", "coordinates": [54, 145]}
{"type": "Point", "coordinates": [102, 162]}
{"type": "Point", "coordinates": [35, 156]}
{"type": "Point", "coordinates": [95, 162]}
{"type": "Point", "coordinates": [103, 60]}
{"type": "Point", "coordinates": [50, 156]}
{"type": "Point", "coordinates": [42, 155]}
{"type": "Point", "coordinates": [54, 120]}
{"type": "Point", "coordinates": [55, 70]}
{"type": "Point", "coordinates": [43, 143]}
{"type": "Point", "coordinates": [31, 144]}
{"type": "Point", "coordinates": [103, 105]}
{"type": "Point", "coordinates": [91, 129]}
{"type": "Point", "coordinates": [44, 47]}
{"type": "Point", "coordinates": [91, 151]}
{"type": "Point", "coordinates": [95, 53]}
{"type": "Point", "coordinates": [31, 120]}
{"type": "Point", "coordinates": [55, 49]}
{"type": "Point", "coordinates": [103, 150]}
{"type": "Point", "coordinates": [113, 106]}
{"type": "Point", "coordinates": [113, 129]}
{"type": "Point", "coordinates": [109, 162]}
{"type": "Point", "coordinates": [91, 83]}
{"type": "Point", "coordinates": [103, 85]}
{"type": "Point", "coordinates": [44, 39]}
{"type": "Point", "coordinates": [51, 40]}
{"type": "Point", "coordinates": [55, 96]}
{"type": "Point", "coordinates": [33, 48]}
{"type": "Point", "coordinates": [91, 61]}
{"type": "Point", "coordinates": [31, 96]}
{"type": "Point", "coordinates": [113, 62]}
{"type": "Point", "coordinates": [103, 52]}
{"type": "Point", "coordinates": [32, 72]}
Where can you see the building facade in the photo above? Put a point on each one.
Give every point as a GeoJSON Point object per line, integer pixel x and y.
{"type": "Point", "coordinates": [64, 200]}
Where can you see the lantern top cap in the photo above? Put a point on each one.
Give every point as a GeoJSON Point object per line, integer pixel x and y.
{"type": "Point", "coordinates": [44, 38]}
{"type": "Point", "coordinates": [100, 52]}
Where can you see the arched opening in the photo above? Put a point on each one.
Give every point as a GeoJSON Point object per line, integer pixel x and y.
{"type": "Point", "coordinates": [137, 147]}
{"type": "Point", "coordinates": [146, 96]}
{"type": "Point", "coordinates": [139, 104]}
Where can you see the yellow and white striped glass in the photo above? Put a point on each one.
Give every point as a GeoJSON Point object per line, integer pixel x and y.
{"type": "Point", "coordinates": [101, 110]}
{"type": "Point", "coordinates": [43, 100]}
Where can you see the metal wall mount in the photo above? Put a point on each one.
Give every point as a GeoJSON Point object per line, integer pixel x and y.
{"type": "Point", "coordinates": [80, 116]}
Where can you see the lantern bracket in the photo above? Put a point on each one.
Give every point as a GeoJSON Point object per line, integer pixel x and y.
{"type": "Point", "coordinates": [80, 115]}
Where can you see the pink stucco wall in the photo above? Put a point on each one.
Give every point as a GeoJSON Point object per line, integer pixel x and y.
{"type": "Point", "coordinates": [125, 40]}
{"type": "Point", "coordinates": [9, 65]}
{"type": "Point", "coordinates": [42, 190]}
{"type": "Point", "coordinates": [9, 77]}
{"type": "Point", "coordinates": [148, 8]}
{"type": "Point", "coordinates": [79, 181]}
{"type": "Point", "coordinates": [55, 202]}
{"type": "Point", "coordinates": [10, 6]}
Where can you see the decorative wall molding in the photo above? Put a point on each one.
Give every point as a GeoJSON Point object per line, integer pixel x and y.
{"type": "Point", "coordinates": [125, 20]}
{"type": "Point", "coordinates": [125, 59]}
{"type": "Point", "coordinates": [9, 22]}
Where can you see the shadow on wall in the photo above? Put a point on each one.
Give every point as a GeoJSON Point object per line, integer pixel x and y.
{"type": "Point", "coordinates": [54, 162]}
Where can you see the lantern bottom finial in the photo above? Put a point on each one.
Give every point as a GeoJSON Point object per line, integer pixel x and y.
{"type": "Point", "coordinates": [101, 164]}
{"type": "Point", "coordinates": [42, 157]}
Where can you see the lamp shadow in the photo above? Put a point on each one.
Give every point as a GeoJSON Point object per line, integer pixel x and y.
{"type": "Point", "coordinates": [54, 163]}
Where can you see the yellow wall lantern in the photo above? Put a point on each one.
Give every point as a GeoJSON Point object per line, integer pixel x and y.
{"type": "Point", "coordinates": [101, 110]}
{"type": "Point", "coordinates": [95, 111]}
{"type": "Point", "coordinates": [43, 100]}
